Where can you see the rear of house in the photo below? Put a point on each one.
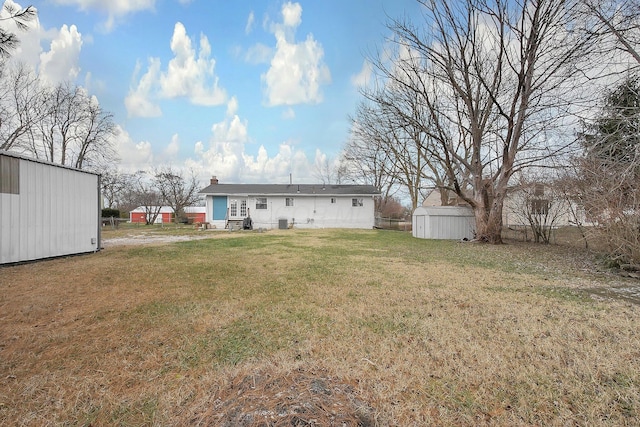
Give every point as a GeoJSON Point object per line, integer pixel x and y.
{"type": "Point", "coordinates": [294, 205]}
{"type": "Point", "coordinates": [46, 210]}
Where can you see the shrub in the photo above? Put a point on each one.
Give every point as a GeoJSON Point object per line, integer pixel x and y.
{"type": "Point", "coordinates": [108, 213]}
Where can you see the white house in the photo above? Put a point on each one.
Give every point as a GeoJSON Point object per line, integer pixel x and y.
{"type": "Point", "coordinates": [46, 210]}
{"type": "Point", "coordinates": [290, 205]}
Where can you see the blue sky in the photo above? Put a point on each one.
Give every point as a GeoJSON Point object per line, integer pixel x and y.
{"type": "Point", "coordinates": [250, 91]}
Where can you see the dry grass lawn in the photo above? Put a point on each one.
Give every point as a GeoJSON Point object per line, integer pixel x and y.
{"type": "Point", "coordinates": [319, 328]}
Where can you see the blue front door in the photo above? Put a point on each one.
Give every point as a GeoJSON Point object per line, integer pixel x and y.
{"type": "Point", "coordinates": [219, 207]}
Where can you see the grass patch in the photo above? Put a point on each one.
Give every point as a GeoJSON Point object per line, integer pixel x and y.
{"type": "Point", "coordinates": [404, 331]}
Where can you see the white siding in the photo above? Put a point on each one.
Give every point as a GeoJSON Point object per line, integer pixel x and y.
{"type": "Point", "coordinates": [308, 211]}
{"type": "Point", "coordinates": [443, 222]}
{"type": "Point", "coordinates": [55, 213]}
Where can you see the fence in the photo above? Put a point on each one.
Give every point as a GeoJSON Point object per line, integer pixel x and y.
{"type": "Point", "coordinates": [393, 224]}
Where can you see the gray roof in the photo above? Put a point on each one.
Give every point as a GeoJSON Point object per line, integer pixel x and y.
{"type": "Point", "coordinates": [289, 189]}
{"type": "Point", "coordinates": [44, 162]}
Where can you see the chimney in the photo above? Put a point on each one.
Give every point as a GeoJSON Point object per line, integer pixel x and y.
{"type": "Point", "coordinates": [214, 180]}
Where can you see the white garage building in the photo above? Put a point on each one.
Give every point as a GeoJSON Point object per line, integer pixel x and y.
{"type": "Point", "coordinates": [46, 210]}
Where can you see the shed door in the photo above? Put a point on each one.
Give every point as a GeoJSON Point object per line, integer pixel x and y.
{"type": "Point", "coordinates": [219, 208]}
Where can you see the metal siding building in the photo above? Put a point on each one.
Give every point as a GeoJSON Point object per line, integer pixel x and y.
{"type": "Point", "coordinates": [443, 222]}
{"type": "Point", "coordinates": [46, 210]}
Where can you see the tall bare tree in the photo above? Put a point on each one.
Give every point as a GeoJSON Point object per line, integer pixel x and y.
{"type": "Point", "coordinates": [73, 130]}
{"type": "Point", "coordinates": [393, 120]}
{"type": "Point", "coordinates": [22, 105]}
{"type": "Point", "coordinates": [491, 75]}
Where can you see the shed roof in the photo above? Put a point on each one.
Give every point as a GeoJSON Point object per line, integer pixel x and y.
{"type": "Point", "coordinates": [289, 189]}
{"type": "Point", "coordinates": [443, 211]}
{"type": "Point", "coordinates": [44, 162]}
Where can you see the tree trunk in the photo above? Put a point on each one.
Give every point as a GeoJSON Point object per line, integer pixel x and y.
{"type": "Point", "coordinates": [488, 214]}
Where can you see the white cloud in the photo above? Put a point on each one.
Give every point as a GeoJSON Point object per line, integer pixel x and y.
{"type": "Point", "coordinates": [138, 100]}
{"type": "Point", "coordinates": [250, 22]}
{"type": "Point", "coordinates": [292, 14]}
{"type": "Point", "coordinates": [133, 156]}
{"type": "Point", "coordinates": [259, 54]}
{"type": "Point", "coordinates": [188, 75]}
{"type": "Point", "coordinates": [172, 150]}
{"type": "Point", "coordinates": [226, 155]}
{"type": "Point", "coordinates": [60, 63]}
{"type": "Point", "coordinates": [114, 9]}
{"type": "Point", "coordinates": [297, 69]}
{"type": "Point", "coordinates": [230, 131]}
{"type": "Point", "coordinates": [364, 76]}
{"type": "Point", "coordinates": [232, 107]}
{"type": "Point", "coordinates": [289, 114]}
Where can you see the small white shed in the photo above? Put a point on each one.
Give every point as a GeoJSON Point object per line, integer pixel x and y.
{"type": "Point", "coordinates": [443, 222]}
{"type": "Point", "coordinates": [46, 210]}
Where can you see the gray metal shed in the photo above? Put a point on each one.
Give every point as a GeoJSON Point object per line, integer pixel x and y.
{"type": "Point", "coordinates": [443, 222]}
{"type": "Point", "coordinates": [46, 210]}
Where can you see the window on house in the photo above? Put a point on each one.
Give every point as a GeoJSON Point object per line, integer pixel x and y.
{"type": "Point", "coordinates": [540, 206]}
{"type": "Point", "coordinates": [261, 203]}
{"type": "Point", "coordinates": [243, 208]}
{"type": "Point", "coordinates": [9, 175]}
{"type": "Point", "coordinates": [333, 200]}
{"type": "Point", "coordinates": [289, 201]}
{"type": "Point", "coordinates": [356, 203]}
{"type": "Point", "coordinates": [233, 208]}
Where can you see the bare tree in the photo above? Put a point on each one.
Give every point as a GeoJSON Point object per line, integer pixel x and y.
{"type": "Point", "coordinates": [364, 161]}
{"type": "Point", "coordinates": [491, 75]}
{"type": "Point", "coordinates": [393, 119]}
{"type": "Point", "coordinates": [73, 131]}
{"type": "Point", "coordinates": [326, 172]}
{"type": "Point", "coordinates": [537, 203]}
{"type": "Point", "coordinates": [141, 192]}
{"type": "Point", "coordinates": [395, 148]}
{"type": "Point", "coordinates": [20, 18]}
{"type": "Point", "coordinates": [114, 186]}
{"type": "Point", "coordinates": [616, 24]}
{"type": "Point", "coordinates": [176, 190]}
{"type": "Point", "coordinates": [22, 105]}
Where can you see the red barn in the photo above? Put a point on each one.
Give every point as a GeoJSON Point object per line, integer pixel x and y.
{"type": "Point", "coordinates": [139, 214]}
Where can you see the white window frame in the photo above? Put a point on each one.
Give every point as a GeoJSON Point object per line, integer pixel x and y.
{"type": "Point", "coordinates": [357, 202]}
{"type": "Point", "coordinates": [261, 203]}
{"type": "Point", "coordinates": [288, 201]}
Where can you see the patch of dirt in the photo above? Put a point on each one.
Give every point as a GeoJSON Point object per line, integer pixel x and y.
{"type": "Point", "coordinates": [147, 239]}
{"type": "Point", "coordinates": [296, 398]}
